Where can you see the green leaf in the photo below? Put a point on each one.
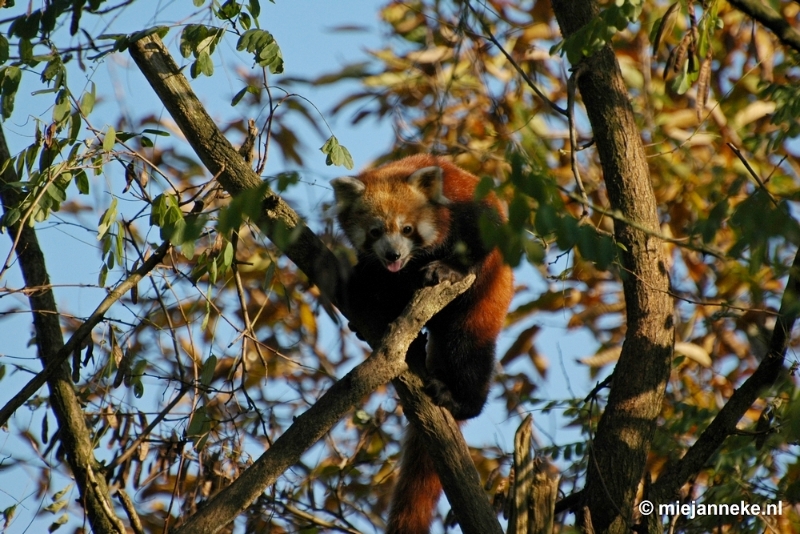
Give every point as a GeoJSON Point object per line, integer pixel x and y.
{"type": "Point", "coordinates": [336, 154]}
{"type": "Point", "coordinates": [199, 423]}
{"type": "Point", "coordinates": [60, 494]}
{"type": "Point", "coordinates": [30, 157]}
{"type": "Point", "coordinates": [229, 10]}
{"type": "Point", "coordinates": [287, 179]}
{"type": "Point", "coordinates": [11, 77]}
{"type": "Point", "coordinates": [101, 279]}
{"type": "Point", "coordinates": [11, 217]}
{"type": "Point", "coordinates": [238, 96]}
{"type": "Point", "coordinates": [566, 232]}
{"type": "Point", "coordinates": [533, 251]}
{"type": "Point", "coordinates": [207, 372]}
{"type": "Point", "coordinates": [53, 70]}
{"type": "Point", "coordinates": [62, 108]}
{"type": "Point", "coordinates": [212, 271]}
{"type": "Point", "coordinates": [26, 27]}
{"type": "Point", "coordinates": [206, 315]}
{"type": "Point", "coordinates": [82, 182]}
{"type": "Point", "coordinates": [4, 50]}
{"type": "Point", "coordinates": [108, 217]}
{"type": "Point", "coordinates": [265, 50]}
{"type": "Point", "coordinates": [55, 525]}
{"type": "Point", "coordinates": [254, 7]}
{"type": "Point", "coordinates": [87, 101]}
{"type": "Point", "coordinates": [109, 139]}
{"type": "Point", "coordinates": [156, 132]}
{"type": "Point", "coordinates": [227, 255]}
{"type": "Point", "coordinates": [56, 194]}
{"type": "Point", "coordinates": [74, 127]}
{"type": "Point", "coordinates": [518, 212]}
{"type": "Point", "coordinates": [546, 220]}
{"type": "Point", "coordinates": [204, 64]}
{"type": "Point", "coordinates": [245, 21]}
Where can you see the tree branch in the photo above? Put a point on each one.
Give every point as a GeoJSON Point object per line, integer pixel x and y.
{"type": "Point", "coordinates": [385, 363]}
{"type": "Point", "coordinates": [724, 424]}
{"type": "Point", "coordinates": [625, 431]}
{"type": "Point", "coordinates": [322, 268]}
{"type": "Point", "coordinates": [771, 19]}
{"type": "Point", "coordinates": [83, 331]}
{"type": "Point", "coordinates": [74, 434]}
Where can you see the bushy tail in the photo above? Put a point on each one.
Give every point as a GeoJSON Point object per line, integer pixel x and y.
{"type": "Point", "coordinates": [417, 490]}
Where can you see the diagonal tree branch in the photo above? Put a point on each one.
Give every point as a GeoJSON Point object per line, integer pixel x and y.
{"type": "Point", "coordinates": [74, 434]}
{"type": "Point", "coordinates": [459, 475]}
{"type": "Point", "coordinates": [771, 19]}
{"type": "Point", "coordinates": [724, 424]}
{"type": "Point", "coordinates": [83, 331]}
{"type": "Point", "coordinates": [385, 363]}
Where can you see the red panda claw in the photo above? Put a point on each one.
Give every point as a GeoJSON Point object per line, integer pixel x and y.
{"type": "Point", "coordinates": [437, 272]}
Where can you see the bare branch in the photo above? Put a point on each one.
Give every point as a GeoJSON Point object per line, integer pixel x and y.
{"type": "Point", "coordinates": [771, 19]}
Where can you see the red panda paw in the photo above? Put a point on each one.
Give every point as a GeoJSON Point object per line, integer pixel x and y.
{"type": "Point", "coordinates": [436, 272]}
{"type": "Point", "coordinates": [461, 409]}
{"type": "Point", "coordinates": [439, 393]}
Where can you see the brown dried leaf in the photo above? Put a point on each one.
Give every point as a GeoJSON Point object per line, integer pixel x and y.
{"type": "Point", "coordinates": [522, 345]}
{"type": "Point", "coordinates": [681, 51]}
{"type": "Point", "coordinates": [703, 86]}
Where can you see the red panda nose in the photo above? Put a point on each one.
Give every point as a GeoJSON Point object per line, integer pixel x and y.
{"type": "Point", "coordinates": [392, 256]}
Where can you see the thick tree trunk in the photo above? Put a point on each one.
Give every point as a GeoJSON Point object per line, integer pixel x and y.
{"type": "Point", "coordinates": [625, 431]}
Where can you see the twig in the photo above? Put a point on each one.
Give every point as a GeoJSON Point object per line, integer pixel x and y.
{"type": "Point", "coordinates": [84, 330]}
{"type": "Point", "coordinates": [134, 446]}
{"type": "Point", "coordinates": [573, 143]}
{"type": "Point", "coordinates": [771, 19]}
{"type": "Point", "coordinates": [130, 510]}
{"type": "Point", "coordinates": [490, 36]}
{"type": "Point", "coordinates": [724, 424]}
{"type": "Point", "coordinates": [753, 173]}
{"type": "Point", "coordinates": [328, 525]}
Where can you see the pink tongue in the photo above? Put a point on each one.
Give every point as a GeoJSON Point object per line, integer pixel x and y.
{"type": "Point", "coordinates": [395, 266]}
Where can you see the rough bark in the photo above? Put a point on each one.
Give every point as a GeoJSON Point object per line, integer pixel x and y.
{"type": "Point", "coordinates": [73, 433]}
{"type": "Point", "coordinates": [619, 449]}
{"type": "Point", "coordinates": [322, 268]}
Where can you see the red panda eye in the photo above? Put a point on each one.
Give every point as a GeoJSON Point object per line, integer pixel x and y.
{"type": "Point", "coordinates": [408, 230]}
{"type": "Point", "coordinates": [375, 232]}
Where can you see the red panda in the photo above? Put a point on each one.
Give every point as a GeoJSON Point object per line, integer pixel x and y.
{"type": "Point", "coordinates": [414, 222]}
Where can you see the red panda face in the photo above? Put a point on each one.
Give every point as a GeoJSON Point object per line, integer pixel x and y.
{"type": "Point", "coordinates": [391, 215]}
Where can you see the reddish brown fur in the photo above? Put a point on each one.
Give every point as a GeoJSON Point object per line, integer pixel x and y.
{"type": "Point", "coordinates": [417, 490]}
{"type": "Point", "coordinates": [482, 312]}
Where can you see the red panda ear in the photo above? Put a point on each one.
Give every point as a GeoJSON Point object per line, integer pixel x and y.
{"type": "Point", "coordinates": [430, 181]}
{"type": "Point", "coordinates": [346, 190]}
